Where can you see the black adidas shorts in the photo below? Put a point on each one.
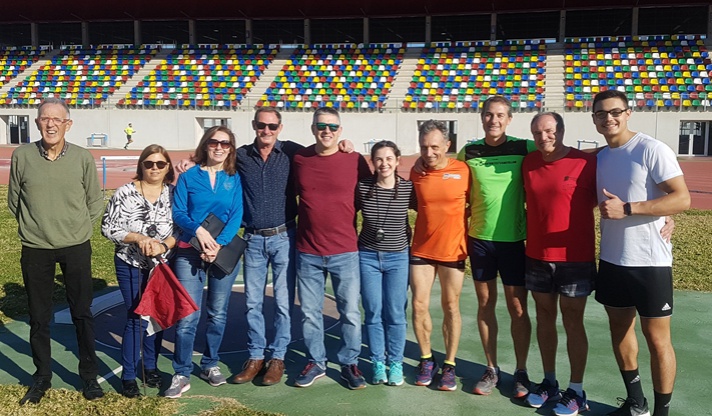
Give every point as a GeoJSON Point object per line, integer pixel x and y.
{"type": "Point", "coordinates": [648, 289]}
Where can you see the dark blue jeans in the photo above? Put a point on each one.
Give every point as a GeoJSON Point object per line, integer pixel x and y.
{"type": "Point", "coordinates": [132, 280]}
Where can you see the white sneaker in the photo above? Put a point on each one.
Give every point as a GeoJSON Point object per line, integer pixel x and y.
{"type": "Point", "coordinates": [179, 385]}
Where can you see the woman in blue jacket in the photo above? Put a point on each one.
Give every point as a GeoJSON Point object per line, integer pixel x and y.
{"type": "Point", "coordinates": [210, 187]}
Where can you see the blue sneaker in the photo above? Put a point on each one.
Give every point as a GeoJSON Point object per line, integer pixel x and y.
{"type": "Point", "coordinates": [448, 380]}
{"type": "Point", "coordinates": [545, 392]}
{"type": "Point", "coordinates": [395, 374]}
{"type": "Point", "coordinates": [426, 371]}
{"type": "Point", "coordinates": [379, 373]}
{"type": "Point", "coordinates": [571, 404]}
{"type": "Point", "coordinates": [353, 377]}
{"type": "Point", "coordinates": [310, 373]}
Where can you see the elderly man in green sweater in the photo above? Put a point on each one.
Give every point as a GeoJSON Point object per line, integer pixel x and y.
{"type": "Point", "coordinates": [54, 194]}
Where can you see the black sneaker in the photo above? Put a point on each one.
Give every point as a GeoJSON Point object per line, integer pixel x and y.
{"type": "Point", "coordinates": [353, 377]}
{"type": "Point", "coordinates": [36, 392]}
{"type": "Point", "coordinates": [153, 379]}
{"type": "Point", "coordinates": [130, 389]}
{"type": "Point", "coordinates": [92, 390]}
{"type": "Point", "coordinates": [630, 407]}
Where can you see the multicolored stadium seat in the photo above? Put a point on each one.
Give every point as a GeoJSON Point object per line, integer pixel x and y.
{"type": "Point", "coordinates": [457, 77]}
{"type": "Point", "coordinates": [14, 61]}
{"type": "Point", "coordinates": [654, 71]}
{"type": "Point", "coordinates": [207, 77]}
{"type": "Point", "coordinates": [82, 77]}
{"type": "Point", "coordinates": [342, 76]}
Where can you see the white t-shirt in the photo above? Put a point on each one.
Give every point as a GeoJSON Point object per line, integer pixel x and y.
{"type": "Point", "coordinates": [632, 172]}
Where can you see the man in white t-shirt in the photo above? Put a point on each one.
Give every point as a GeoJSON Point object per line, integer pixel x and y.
{"type": "Point", "coordinates": [639, 182]}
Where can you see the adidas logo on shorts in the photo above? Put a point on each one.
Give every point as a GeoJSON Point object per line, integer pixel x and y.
{"type": "Point", "coordinates": [666, 307]}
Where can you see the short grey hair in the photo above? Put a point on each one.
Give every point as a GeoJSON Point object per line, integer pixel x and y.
{"type": "Point", "coordinates": [557, 117]}
{"type": "Point", "coordinates": [52, 100]}
{"type": "Point", "coordinates": [432, 125]}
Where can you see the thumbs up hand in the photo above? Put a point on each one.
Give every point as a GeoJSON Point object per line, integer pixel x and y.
{"type": "Point", "coordinates": [612, 208]}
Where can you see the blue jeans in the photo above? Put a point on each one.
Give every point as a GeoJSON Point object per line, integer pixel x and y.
{"type": "Point", "coordinates": [132, 280]}
{"type": "Point", "coordinates": [278, 250]}
{"type": "Point", "coordinates": [384, 294]}
{"type": "Point", "coordinates": [311, 276]}
{"type": "Point", "coordinates": [189, 270]}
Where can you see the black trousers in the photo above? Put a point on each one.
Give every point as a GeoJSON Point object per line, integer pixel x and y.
{"type": "Point", "coordinates": [38, 273]}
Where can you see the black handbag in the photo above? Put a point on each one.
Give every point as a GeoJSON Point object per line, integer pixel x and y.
{"type": "Point", "coordinates": [229, 254]}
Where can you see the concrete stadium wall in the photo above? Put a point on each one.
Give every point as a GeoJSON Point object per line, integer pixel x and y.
{"type": "Point", "coordinates": [181, 130]}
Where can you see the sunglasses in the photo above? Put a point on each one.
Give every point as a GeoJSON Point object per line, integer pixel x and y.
{"type": "Point", "coordinates": [148, 164]}
{"type": "Point", "coordinates": [603, 114]}
{"type": "Point", "coordinates": [261, 126]}
{"type": "Point", "coordinates": [213, 144]}
{"type": "Point", "coordinates": [322, 126]}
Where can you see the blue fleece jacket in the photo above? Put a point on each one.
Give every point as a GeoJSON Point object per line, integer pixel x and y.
{"type": "Point", "coordinates": [194, 199]}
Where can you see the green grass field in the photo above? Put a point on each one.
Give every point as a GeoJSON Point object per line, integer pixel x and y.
{"type": "Point", "coordinates": [692, 248]}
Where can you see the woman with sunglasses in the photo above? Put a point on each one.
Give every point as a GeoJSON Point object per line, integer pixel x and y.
{"type": "Point", "coordinates": [138, 220]}
{"type": "Point", "coordinates": [384, 240]}
{"type": "Point", "coordinates": [212, 186]}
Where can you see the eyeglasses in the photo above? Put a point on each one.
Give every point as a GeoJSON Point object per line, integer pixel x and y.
{"type": "Point", "coordinates": [615, 113]}
{"type": "Point", "coordinates": [213, 144]}
{"type": "Point", "coordinates": [322, 126]}
{"type": "Point", "coordinates": [148, 164]}
{"type": "Point", "coordinates": [55, 120]}
{"type": "Point", "coordinates": [261, 126]}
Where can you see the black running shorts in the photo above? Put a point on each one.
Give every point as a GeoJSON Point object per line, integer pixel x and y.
{"type": "Point", "coordinates": [648, 289]}
{"type": "Point", "coordinates": [489, 257]}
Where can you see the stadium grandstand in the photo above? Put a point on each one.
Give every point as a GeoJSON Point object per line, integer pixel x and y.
{"type": "Point", "coordinates": [173, 69]}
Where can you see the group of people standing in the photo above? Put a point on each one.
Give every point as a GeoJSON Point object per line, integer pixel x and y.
{"type": "Point", "coordinates": [470, 206]}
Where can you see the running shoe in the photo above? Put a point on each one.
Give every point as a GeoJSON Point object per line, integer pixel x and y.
{"type": "Point", "coordinates": [544, 392]}
{"type": "Point", "coordinates": [487, 383]}
{"type": "Point", "coordinates": [213, 376]}
{"type": "Point", "coordinates": [448, 380]}
{"type": "Point", "coordinates": [310, 373]}
{"type": "Point", "coordinates": [630, 407]}
{"type": "Point", "coordinates": [426, 371]}
{"type": "Point", "coordinates": [571, 404]}
{"type": "Point", "coordinates": [521, 384]}
{"type": "Point", "coordinates": [353, 377]}
{"type": "Point", "coordinates": [179, 385]}
{"type": "Point", "coordinates": [379, 372]}
{"type": "Point", "coordinates": [395, 374]}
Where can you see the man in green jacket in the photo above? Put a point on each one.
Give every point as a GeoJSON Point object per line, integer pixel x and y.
{"type": "Point", "coordinates": [54, 194]}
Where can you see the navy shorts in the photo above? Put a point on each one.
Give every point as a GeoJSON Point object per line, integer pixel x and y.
{"type": "Point", "coordinates": [489, 257]}
{"type": "Point", "coordinates": [648, 289]}
{"type": "Point", "coordinates": [420, 261]}
{"type": "Point", "coordinates": [570, 279]}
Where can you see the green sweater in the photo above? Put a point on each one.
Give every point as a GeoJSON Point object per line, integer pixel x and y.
{"type": "Point", "coordinates": [54, 202]}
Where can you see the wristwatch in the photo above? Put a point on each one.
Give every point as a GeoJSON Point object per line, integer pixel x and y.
{"type": "Point", "coordinates": [626, 209]}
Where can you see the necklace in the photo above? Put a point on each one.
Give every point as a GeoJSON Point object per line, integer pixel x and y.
{"type": "Point", "coordinates": [152, 229]}
{"type": "Point", "coordinates": [380, 233]}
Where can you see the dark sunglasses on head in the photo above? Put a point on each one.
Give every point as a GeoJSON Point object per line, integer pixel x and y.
{"type": "Point", "coordinates": [213, 144]}
{"type": "Point", "coordinates": [323, 126]}
{"type": "Point", "coordinates": [261, 126]}
{"type": "Point", "coordinates": [148, 164]}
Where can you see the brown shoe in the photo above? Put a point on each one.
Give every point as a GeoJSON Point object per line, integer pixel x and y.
{"type": "Point", "coordinates": [275, 369]}
{"type": "Point", "coordinates": [249, 370]}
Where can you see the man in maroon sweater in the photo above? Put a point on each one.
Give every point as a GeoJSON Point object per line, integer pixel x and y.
{"type": "Point", "coordinates": [325, 181]}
